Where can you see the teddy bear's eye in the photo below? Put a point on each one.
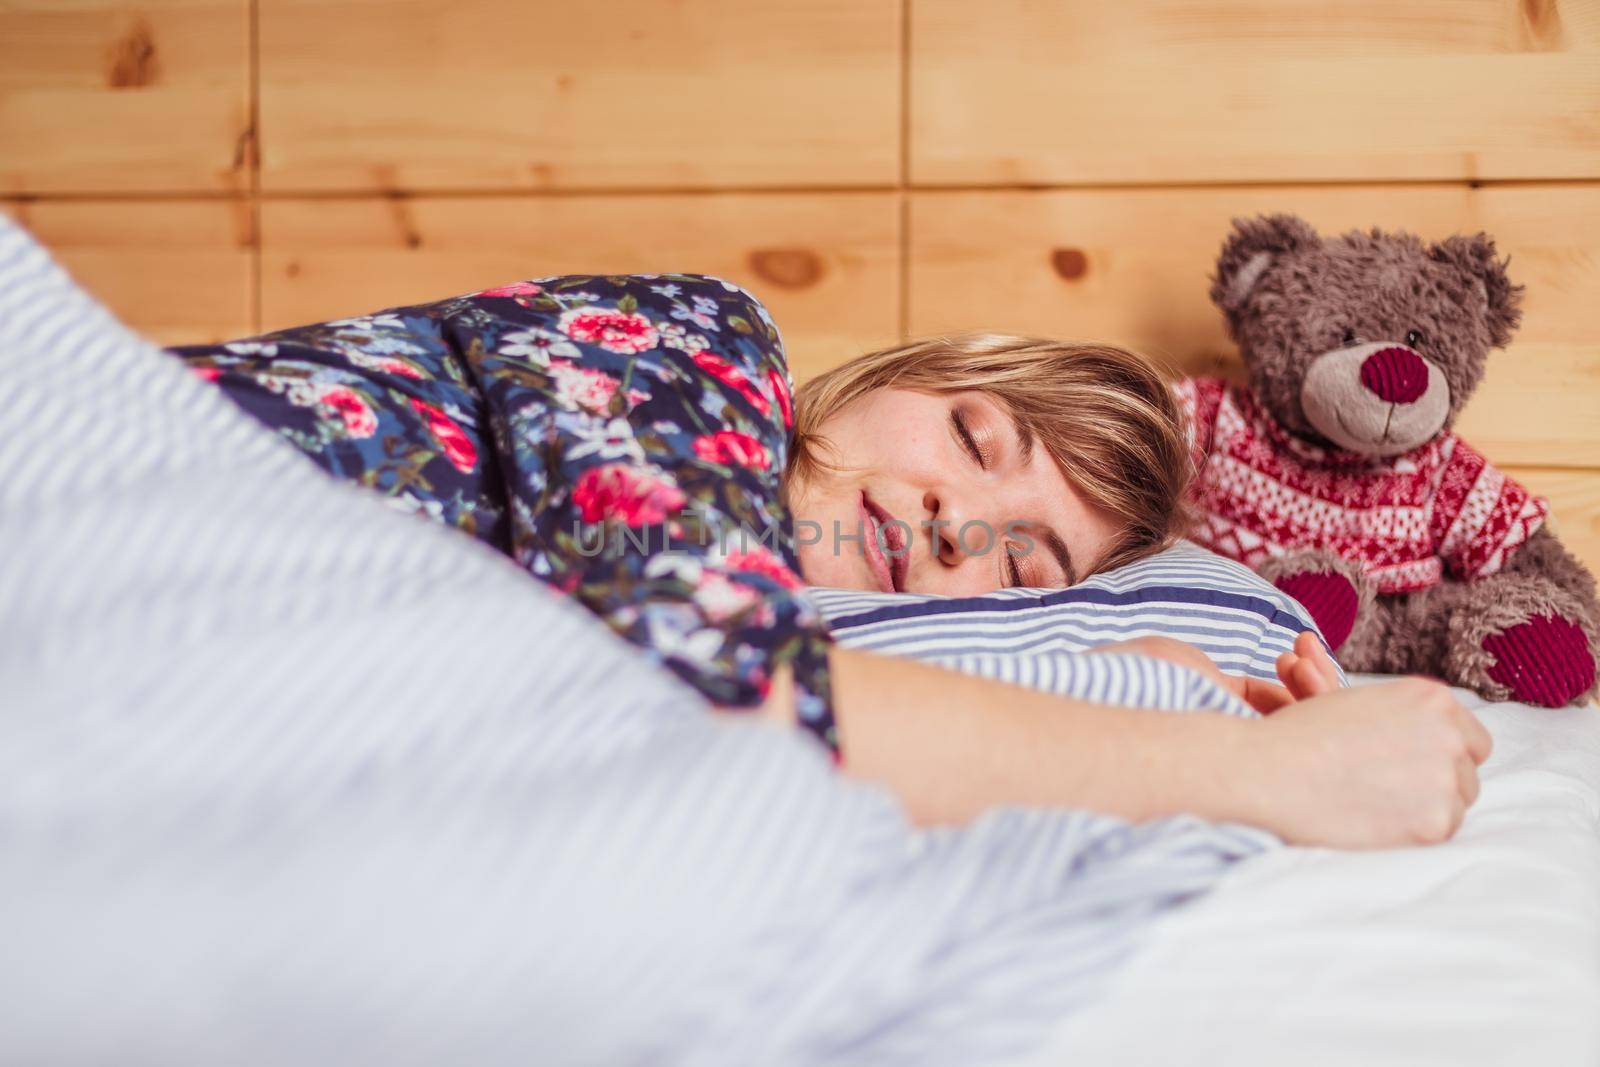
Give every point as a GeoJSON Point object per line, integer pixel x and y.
{"type": "Point", "coordinates": [1349, 337]}
{"type": "Point", "coordinates": [1414, 338]}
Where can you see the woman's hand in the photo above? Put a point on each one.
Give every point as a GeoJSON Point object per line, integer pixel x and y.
{"type": "Point", "coordinates": [1374, 766]}
{"type": "Point", "coordinates": [1306, 672]}
{"type": "Point", "coordinates": [1383, 765]}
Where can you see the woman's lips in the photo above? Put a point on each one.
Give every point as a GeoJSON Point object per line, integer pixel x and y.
{"type": "Point", "coordinates": [890, 570]}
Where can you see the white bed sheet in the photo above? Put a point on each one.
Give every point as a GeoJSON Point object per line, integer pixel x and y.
{"type": "Point", "coordinates": [1484, 951]}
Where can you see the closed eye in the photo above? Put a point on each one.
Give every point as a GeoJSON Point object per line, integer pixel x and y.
{"type": "Point", "coordinates": [968, 442]}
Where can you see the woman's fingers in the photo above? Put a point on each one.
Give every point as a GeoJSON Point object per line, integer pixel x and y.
{"type": "Point", "coordinates": [1263, 696]}
{"type": "Point", "coordinates": [1308, 647]}
{"type": "Point", "coordinates": [1467, 780]}
{"type": "Point", "coordinates": [1479, 743]}
{"type": "Point", "coordinates": [1285, 666]}
{"type": "Point", "coordinates": [1303, 675]}
{"type": "Point", "coordinates": [1458, 815]}
{"type": "Point", "coordinates": [1312, 680]}
{"type": "Point", "coordinates": [1268, 698]}
{"type": "Point", "coordinates": [1292, 672]}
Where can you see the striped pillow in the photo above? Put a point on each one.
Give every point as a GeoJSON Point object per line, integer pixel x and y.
{"type": "Point", "coordinates": [1227, 611]}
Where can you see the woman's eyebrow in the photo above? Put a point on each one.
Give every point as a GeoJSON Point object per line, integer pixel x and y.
{"type": "Point", "coordinates": [1058, 549]}
{"type": "Point", "coordinates": [1024, 440]}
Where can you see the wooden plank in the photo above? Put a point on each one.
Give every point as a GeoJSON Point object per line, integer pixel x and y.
{"type": "Point", "coordinates": [179, 272]}
{"type": "Point", "coordinates": [1575, 507]}
{"type": "Point", "coordinates": [482, 94]}
{"type": "Point", "coordinates": [1131, 266]}
{"type": "Point", "coordinates": [825, 264]}
{"type": "Point", "coordinates": [1254, 90]}
{"type": "Point", "coordinates": [105, 96]}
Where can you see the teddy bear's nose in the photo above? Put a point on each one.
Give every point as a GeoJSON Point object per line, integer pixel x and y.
{"type": "Point", "coordinates": [1396, 374]}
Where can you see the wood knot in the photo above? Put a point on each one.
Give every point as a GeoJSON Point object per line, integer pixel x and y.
{"type": "Point", "coordinates": [787, 268]}
{"type": "Point", "coordinates": [244, 148]}
{"type": "Point", "coordinates": [1070, 263]}
{"type": "Point", "coordinates": [133, 59]}
{"type": "Point", "coordinates": [1541, 26]}
{"type": "Point", "coordinates": [410, 236]}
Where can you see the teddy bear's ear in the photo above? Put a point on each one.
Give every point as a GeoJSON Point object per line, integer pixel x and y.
{"type": "Point", "coordinates": [1249, 251]}
{"type": "Point", "coordinates": [1475, 257]}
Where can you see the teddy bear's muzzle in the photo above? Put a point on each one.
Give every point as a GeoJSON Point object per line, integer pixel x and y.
{"type": "Point", "coordinates": [1376, 399]}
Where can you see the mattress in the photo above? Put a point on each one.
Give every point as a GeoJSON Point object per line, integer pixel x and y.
{"type": "Point", "coordinates": [1485, 950]}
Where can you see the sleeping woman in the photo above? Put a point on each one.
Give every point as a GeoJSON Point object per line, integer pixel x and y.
{"type": "Point", "coordinates": [632, 442]}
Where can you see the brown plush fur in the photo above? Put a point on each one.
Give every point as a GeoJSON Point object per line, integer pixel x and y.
{"type": "Point", "coordinates": [1290, 296]}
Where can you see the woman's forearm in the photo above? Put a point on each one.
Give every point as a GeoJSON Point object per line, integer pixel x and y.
{"type": "Point", "coordinates": [953, 746]}
{"type": "Point", "coordinates": [1383, 765]}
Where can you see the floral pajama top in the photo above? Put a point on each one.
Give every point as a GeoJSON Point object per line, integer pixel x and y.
{"type": "Point", "coordinates": [622, 438]}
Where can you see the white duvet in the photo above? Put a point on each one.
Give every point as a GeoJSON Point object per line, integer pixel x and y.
{"type": "Point", "coordinates": [1484, 951]}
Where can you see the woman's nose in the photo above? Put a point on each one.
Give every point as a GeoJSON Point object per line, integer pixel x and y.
{"type": "Point", "coordinates": [948, 527]}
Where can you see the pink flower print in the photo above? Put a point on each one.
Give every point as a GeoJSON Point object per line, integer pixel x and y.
{"type": "Point", "coordinates": [780, 390]}
{"type": "Point", "coordinates": [358, 419]}
{"type": "Point", "coordinates": [458, 447]}
{"type": "Point", "coordinates": [514, 289]}
{"type": "Point", "coordinates": [726, 373]}
{"type": "Point", "coordinates": [583, 387]}
{"type": "Point", "coordinates": [399, 367]}
{"type": "Point", "coordinates": [617, 491]}
{"type": "Point", "coordinates": [614, 331]}
{"type": "Point", "coordinates": [733, 448]}
{"type": "Point", "coordinates": [760, 561]}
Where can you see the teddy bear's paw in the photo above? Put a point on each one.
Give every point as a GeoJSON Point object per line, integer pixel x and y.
{"type": "Point", "coordinates": [1333, 591]}
{"type": "Point", "coordinates": [1544, 660]}
{"type": "Point", "coordinates": [1524, 638]}
{"type": "Point", "coordinates": [1330, 598]}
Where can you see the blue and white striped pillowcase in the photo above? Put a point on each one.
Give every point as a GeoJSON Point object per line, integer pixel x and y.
{"type": "Point", "coordinates": [1227, 611]}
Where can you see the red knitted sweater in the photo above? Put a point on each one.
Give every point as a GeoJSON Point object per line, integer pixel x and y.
{"type": "Point", "coordinates": [1407, 519]}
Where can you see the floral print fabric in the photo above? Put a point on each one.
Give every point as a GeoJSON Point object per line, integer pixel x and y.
{"type": "Point", "coordinates": [623, 438]}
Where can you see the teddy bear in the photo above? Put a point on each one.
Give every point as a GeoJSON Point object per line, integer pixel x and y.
{"type": "Point", "coordinates": [1336, 475]}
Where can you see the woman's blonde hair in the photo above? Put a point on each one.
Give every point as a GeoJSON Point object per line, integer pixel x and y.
{"type": "Point", "coordinates": [1105, 415]}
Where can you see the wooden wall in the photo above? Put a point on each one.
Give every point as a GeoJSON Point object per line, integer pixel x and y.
{"type": "Point", "coordinates": [873, 169]}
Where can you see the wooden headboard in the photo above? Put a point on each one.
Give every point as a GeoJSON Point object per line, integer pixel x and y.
{"type": "Point", "coordinates": [874, 169]}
